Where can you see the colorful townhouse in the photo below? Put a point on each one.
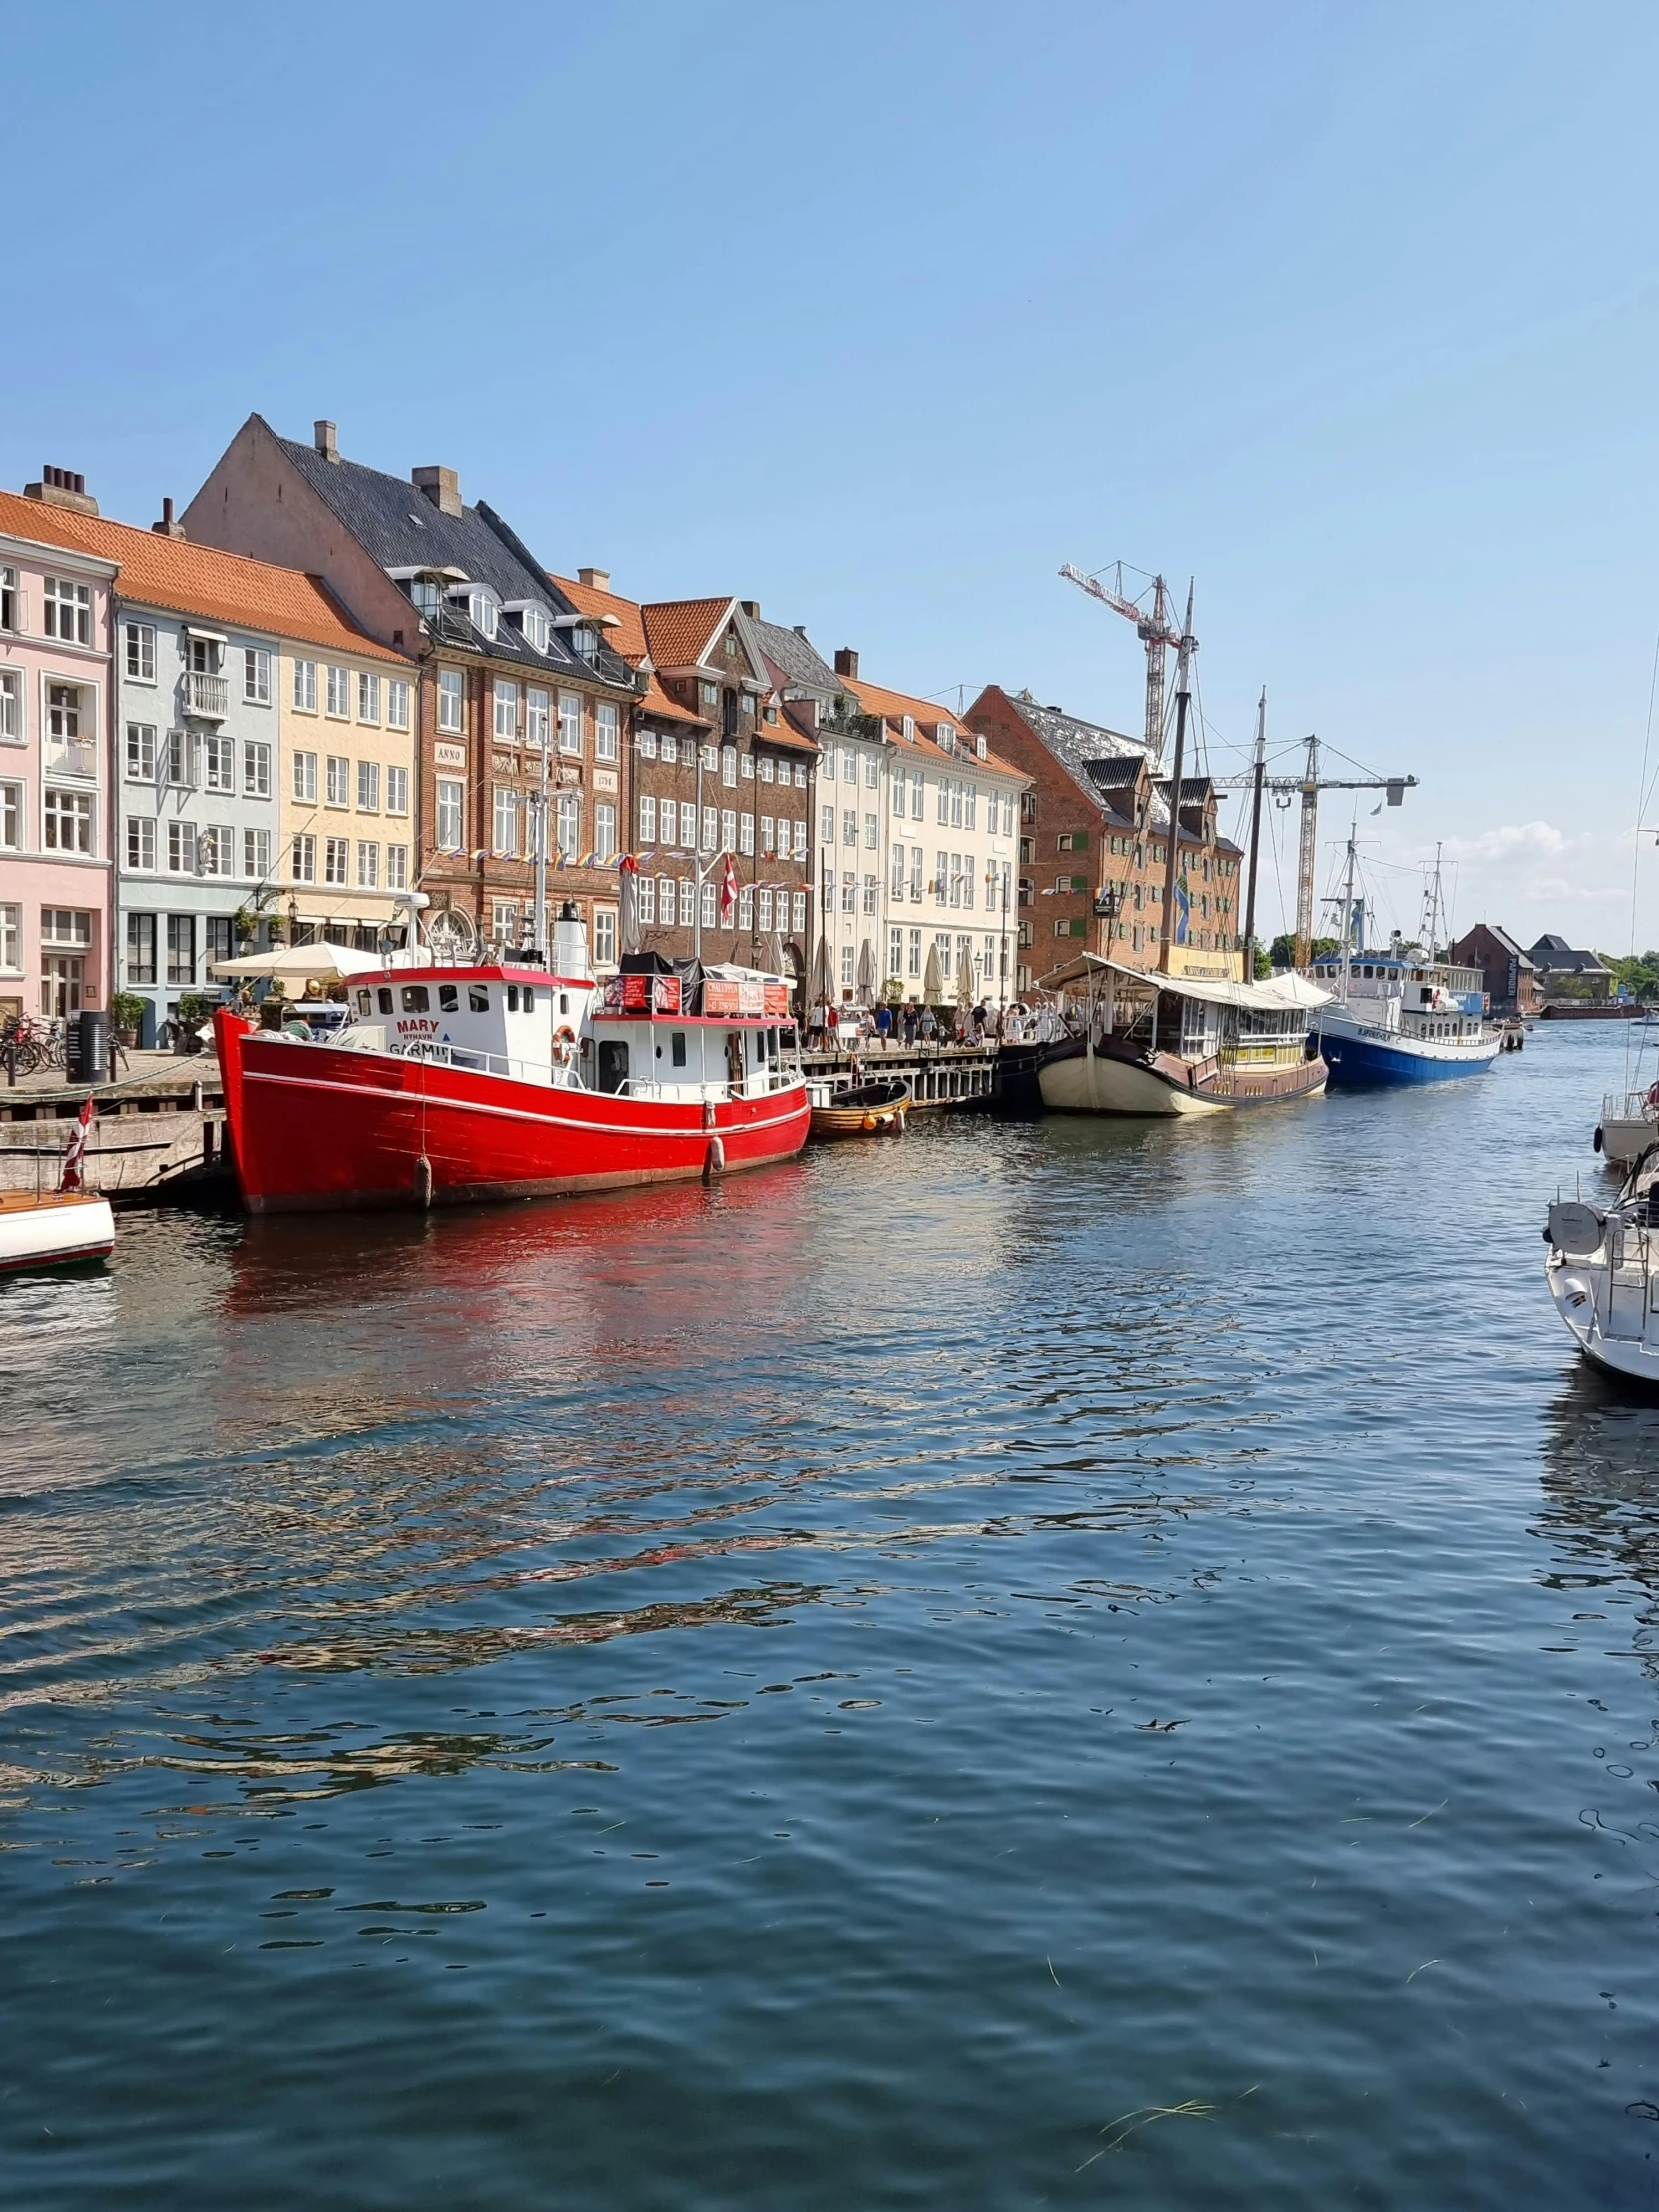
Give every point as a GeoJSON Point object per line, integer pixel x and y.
{"type": "Point", "coordinates": [953, 826]}
{"type": "Point", "coordinates": [56, 703]}
{"type": "Point", "coordinates": [1094, 847]}
{"type": "Point", "coordinates": [521, 705]}
{"type": "Point", "coordinates": [720, 772]}
{"type": "Point", "coordinates": [209, 649]}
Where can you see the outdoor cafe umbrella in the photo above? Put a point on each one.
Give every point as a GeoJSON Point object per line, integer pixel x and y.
{"type": "Point", "coordinates": [774, 957]}
{"type": "Point", "coordinates": [867, 972]}
{"type": "Point", "coordinates": [966, 988]}
{"type": "Point", "coordinates": [932, 983]}
{"type": "Point", "coordinates": [300, 963]}
{"type": "Point", "coordinates": [628, 903]}
{"type": "Point", "coordinates": [824, 985]}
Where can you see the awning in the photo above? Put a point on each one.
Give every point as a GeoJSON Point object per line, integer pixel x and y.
{"type": "Point", "coordinates": [1273, 997]}
{"type": "Point", "coordinates": [208, 637]}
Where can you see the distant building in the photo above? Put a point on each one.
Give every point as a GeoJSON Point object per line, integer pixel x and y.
{"type": "Point", "coordinates": [1511, 978]}
{"type": "Point", "coordinates": [1563, 972]}
{"type": "Point", "coordinates": [1095, 836]}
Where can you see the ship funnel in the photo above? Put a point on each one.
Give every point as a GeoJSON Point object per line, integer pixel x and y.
{"type": "Point", "coordinates": [570, 944]}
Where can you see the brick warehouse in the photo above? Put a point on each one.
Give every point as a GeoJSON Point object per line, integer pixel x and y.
{"type": "Point", "coordinates": [1096, 821]}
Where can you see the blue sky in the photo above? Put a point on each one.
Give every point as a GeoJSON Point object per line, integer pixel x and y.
{"type": "Point", "coordinates": [878, 314]}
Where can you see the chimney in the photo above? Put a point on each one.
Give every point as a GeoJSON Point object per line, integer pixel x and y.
{"type": "Point", "coordinates": [441, 486]}
{"type": "Point", "coordinates": [596, 579]}
{"type": "Point", "coordinates": [847, 661]}
{"type": "Point", "coordinates": [800, 629]}
{"type": "Point", "coordinates": [751, 608]}
{"type": "Point", "coordinates": [62, 488]}
{"type": "Point", "coordinates": [327, 442]}
{"type": "Point", "coordinates": [167, 527]}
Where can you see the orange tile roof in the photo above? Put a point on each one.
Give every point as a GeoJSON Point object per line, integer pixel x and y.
{"type": "Point", "coordinates": [679, 630]}
{"type": "Point", "coordinates": [197, 579]}
{"type": "Point", "coordinates": [658, 701]}
{"type": "Point", "coordinates": [627, 638]}
{"type": "Point", "coordinates": [926, 714]}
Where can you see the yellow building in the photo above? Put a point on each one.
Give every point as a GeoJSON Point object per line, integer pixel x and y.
{"type": "Point", "coordinates": [350, 803]}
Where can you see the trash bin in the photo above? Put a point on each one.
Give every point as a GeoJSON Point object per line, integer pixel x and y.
{"type": "Point", "coordinates": [87, 1046]}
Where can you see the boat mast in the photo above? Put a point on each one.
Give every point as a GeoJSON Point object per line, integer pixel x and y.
{"type": "Point", "coordinates": [1432, 909]}
{"type": "Point", "coordinates": [541, 854]}
{"type": "Point", "coordinates": [1172, 855]}
{"type": "Point", "coordinates": [1307, 845]}
{"type": "Point", "coordinates": [1347, 919]}
{"type": "Point", "coordinates": [1255, 833]}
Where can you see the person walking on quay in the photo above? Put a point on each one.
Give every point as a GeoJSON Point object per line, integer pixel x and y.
{"type": "Point", "coordinates": [883, 1023]}
{"type": "Point", "coordinates": [928, 1025]}
{"type": "Point", "coordinates": [910, 1022]}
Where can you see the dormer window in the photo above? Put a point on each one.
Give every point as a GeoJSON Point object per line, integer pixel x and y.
{"type": "Point", "coordinates": [981, 747]}
{"type": "Point", "coordinates": [584, 641]}
{"type": "Point", "coordinates": [533, 622]}
{"type": "Point", "coordinates": [910, 726]}
{"type": "Point", "coordinates": [424, 590]}
{"type": "Point", "coordinates": [947, 737]}
{"type": "Point", "coordinates": [483, 611]}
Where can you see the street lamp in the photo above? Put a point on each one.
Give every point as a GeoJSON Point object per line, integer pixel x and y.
{"type": "Point", "coordinates": [1108, 905]}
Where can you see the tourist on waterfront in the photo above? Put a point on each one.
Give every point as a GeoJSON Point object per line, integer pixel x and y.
{"type": "Point", "coordinates": [910, 1022]}
{"type": "Point", "coordinates": [883, 1023]}
{"type": "Point", "coordinates": [928, 1025]}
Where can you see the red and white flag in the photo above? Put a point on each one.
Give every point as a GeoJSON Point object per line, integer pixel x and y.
{"type": "Point", "coordinates": [729, 887]}
{"type": "Point", "coordinates": [70, 1179]}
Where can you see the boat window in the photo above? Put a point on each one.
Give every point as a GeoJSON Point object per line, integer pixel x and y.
{"type": "Point", "coordinates": [564, 1002]}
{"type": "Point", "coordinates": [529, 999]}
{"type": "Point", "coordinates": [677, 1049]}
{"type": "Point", "coordinates": [613, 1065]}
{"type": "Point", "coordinates": [477, 998]}
{"type": "Point", "coordinates": [416, 998]}
{"type": "Point", "coordinates": [449, 998]}
{"type": "Point", "coordinates": [512, 998]}
{"type": "Point", "coordinates": [366, 1003]}
{"type": "Point", "coordinates": [385, 1002]}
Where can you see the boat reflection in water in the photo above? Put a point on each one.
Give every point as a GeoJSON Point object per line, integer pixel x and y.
{"type": "Point", "coordinates": [1601, 1491]}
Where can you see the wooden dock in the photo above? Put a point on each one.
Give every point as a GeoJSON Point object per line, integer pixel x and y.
{"type": "Point", "coordinates": [157, 1136]}
{"type": "Point", "coordinates": [961, 1076]}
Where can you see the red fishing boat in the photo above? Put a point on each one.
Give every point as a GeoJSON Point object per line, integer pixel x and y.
{"type": "Point", "coordinates": [452, 1084]}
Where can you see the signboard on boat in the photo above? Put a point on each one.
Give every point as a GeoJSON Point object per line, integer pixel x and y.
{"type": "Point", "coordinates": [722, 995]}
{"type": "Point", "coordinates": [642, 994]}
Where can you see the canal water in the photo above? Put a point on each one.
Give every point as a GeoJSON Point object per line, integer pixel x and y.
{"type": "Point", "coordinates": [1037, 1664]}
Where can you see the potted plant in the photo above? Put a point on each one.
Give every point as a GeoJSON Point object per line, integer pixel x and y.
{"type": "Point", "coordinates": [127, 1012]}
{"type": "Point", "coordinates": [277, 929]}
{"type": "Point", "coordinates": [244, 924]}
{"type": "Point", "coordinates": [190, 1012]}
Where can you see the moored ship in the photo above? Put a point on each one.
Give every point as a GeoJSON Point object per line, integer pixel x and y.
{"type": "Point", "coordinates": [1171, 1044]}
{"type": "Point", "coordinates": [454, 1084]}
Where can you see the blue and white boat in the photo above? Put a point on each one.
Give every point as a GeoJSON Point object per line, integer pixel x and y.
{"type": "Point", "coordinates": [1397, 1017]}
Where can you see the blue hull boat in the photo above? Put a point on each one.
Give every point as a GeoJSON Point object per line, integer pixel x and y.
{"type": "Point", "coordinates": [1359, 1052]}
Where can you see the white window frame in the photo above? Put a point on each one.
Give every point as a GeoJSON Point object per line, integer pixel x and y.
{"type": "Point", "coordinates": [397, 702]}
{"type": "Point", "coordinates": [397, 788]}
{"type": "Point", "coordinates": [451, 702]}
{"type": "Point", "coordinates": [255, 674]}
{"type": "Point", "coordinates": [304, 687]}
{"type": "Point", "coordinates": [607, 734]}
{"type": "Point", "coordinates": [138, 644]}
{"type": "Point", "coordinates": [368, 696]}
{"type": "Point", "coordinates": [304, 777]}
{"type": "Point", "coordinates": [450, 814]}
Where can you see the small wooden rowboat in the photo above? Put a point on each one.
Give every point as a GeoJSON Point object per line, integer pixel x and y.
{"type": "Point", "coordinates": [53, 1229]}
{"type": "Point", "coordinates": [867, 1110]}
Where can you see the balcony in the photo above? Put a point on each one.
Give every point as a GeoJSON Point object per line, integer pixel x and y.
{"type": "Point", "coordinates": [206, 697]}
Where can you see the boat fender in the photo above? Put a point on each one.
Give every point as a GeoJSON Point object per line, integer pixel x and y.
{"type": "Point", "coordinates": [709, 1114]}
{"type": "Point", "coordinates": [872, 1121]}
{"type": "Point", "coordinates": [1596, 1141]}
{"type": "Point", "coordinates": [713, 1160]}
{"type": "Point", "coordinates": [898, 1121]}
{"type": "Point", "coordinates": [423, 1181]}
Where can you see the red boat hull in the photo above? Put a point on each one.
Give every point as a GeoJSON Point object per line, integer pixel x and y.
{"type": "Point", "coordinates": [313, 1127]}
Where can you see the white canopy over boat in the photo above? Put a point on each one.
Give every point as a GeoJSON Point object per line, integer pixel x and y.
{"type": "Point", "coordinates": [300, 963]}
{"type": "Point", "coordinates": [1271, 998]}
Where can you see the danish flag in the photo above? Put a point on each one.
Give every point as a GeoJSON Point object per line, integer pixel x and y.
{"type": "Point", "coordinates": [728, 887]}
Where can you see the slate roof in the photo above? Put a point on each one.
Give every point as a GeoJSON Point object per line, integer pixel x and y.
{"type": "Point", "coordinates": [794, 659]}
{"type": "Point", "coordinates": [399, 527]}
{"type": "Point", "coordinates": [1080, 746]}
{"type": "Point", "coordinates": [1555, 954]}
{"type": "Point", "coordinates": [1117, 774]}
{"type": "Point", "coordinates": [172, 573]}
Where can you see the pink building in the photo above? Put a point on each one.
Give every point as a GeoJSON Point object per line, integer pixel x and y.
{"type": "Point", "coordinates": [55, 700]}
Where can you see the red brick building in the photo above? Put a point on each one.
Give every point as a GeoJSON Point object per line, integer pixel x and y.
{"type": "Point", "coordinates": [1094, 845]}
{"type": "Point", "coordinates": [718, 770]}
{"type": "Point", "coordinates": [1511, 977]}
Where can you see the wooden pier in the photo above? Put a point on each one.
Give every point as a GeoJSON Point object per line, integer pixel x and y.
{"type": "Point", "coordinates": [156, 1135]}
{"type": "Point", "coordinates": [961, 1076]}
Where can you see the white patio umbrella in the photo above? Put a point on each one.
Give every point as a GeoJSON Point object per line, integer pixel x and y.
{"type": "Point", "coordinates": [628, 907]}
{"type": "Point", "coordinates": [968, 988]}
{"type": "Point", "coordinates": [932, 983]}
{"type": "Point", "coordinates": [300, 963]}
{"type": "Point", "coordinates": [774, 957]}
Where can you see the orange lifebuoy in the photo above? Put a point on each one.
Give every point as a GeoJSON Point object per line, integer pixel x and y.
{"type": "Point", "coordinates": [564, 1034]}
